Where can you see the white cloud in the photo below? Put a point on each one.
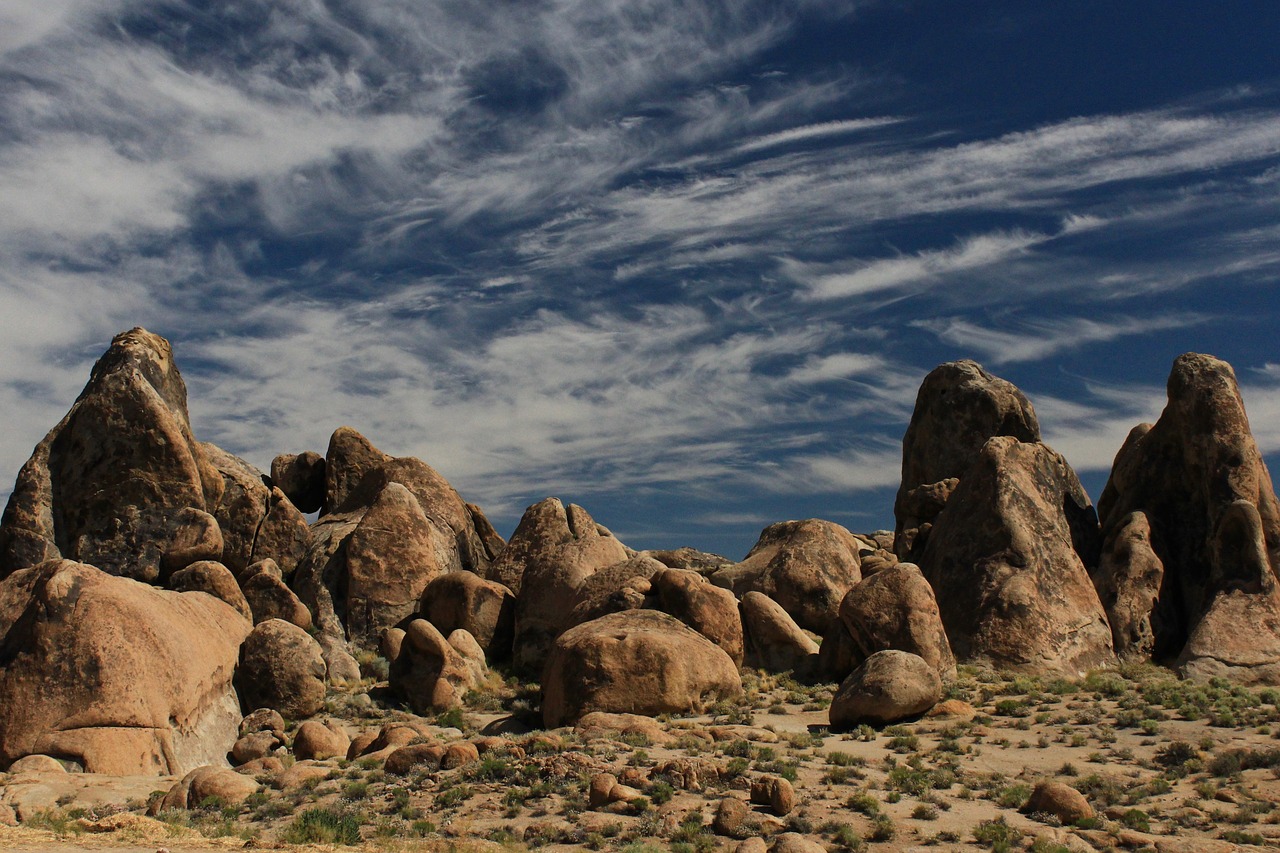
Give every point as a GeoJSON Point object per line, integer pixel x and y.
{"type": "Point", "coordinates": [1034, 340]}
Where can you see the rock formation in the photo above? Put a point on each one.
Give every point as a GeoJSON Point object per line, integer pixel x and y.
{"type": "Point", "coordinates": [959, 406]}
{"type": "Point", "coordinates": [1191, 530]}
{"type": "Point", "coordinates": [634, 662]}
{"type": "Point", "coordinates": [805, 566]}
{"type": "Point", "coordinates": [553, 550]}
{"type": "Point", "coordinates": [895, 609]}
{"type": "Point", "coordinates": [116, 675]}
{"type": "Point", "coordinates": [887, 687]}
{"type": "Point", "coordinates": [1007, 561]}
{"type": "Point", "coordinates": [281, 668]}
{"type": "Point", "coordinates": [108, 485]}
{"type": "Point", "coordinates": [485, 609]}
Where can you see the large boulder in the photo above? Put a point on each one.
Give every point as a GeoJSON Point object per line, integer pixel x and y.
{"type": "Point", "coordinates": [1007, 560]}
{"type": "Point", "coordinates": [431, 672]}
{"type": "Point", "coordinates": [959, 406]}
{"type": "Point", "coordinates": [1191, 529]}
{"type": "Point", "coordinates": [889, 686]}
{"type": "Point", "coordinates": [895, 609]}
{"type": "Point", "coordinates": [393, 553]}
{"type": "Point", "coordinates": [774, 641]}
{"type": "Point", "coordinates": [389, 526]}
{"type": "Point", "coordinates": [806, 566]}
{"type": "Point", "coordinates": [623, 586]}
{"type": "Point", "coordinates": [634, 662]}
{"type": "Point", "coordinates": [553, 550]}
{"type": "Point", "coordinates": [108, 484]}
{"type": "Point", "coordinates": [122, 677]}
{"type": "Point", "coordinates": [704, 607]}
{"type": "Point", "coordinates": [257, 521]}
{"type": "Point", "coordinates": [281, 668]}
{"type": "Point", "coordinates": [269, 597]}
{"type": "Point", "coordinates": [301, 477]}
{"type": "Point", "coordinates": [485, 609]}
{"type": "Point", "coordinates": [215, 579]}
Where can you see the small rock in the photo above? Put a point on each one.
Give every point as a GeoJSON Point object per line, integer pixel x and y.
{"type": "Point", "coordinates": [1060, 800]}
{"type": "Point", "coordinates": [774, 792]}
{"type": "Point", "coordinates": [731, 815]}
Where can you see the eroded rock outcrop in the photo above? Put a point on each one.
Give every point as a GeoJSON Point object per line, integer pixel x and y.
{"type": "Point", "coordinates": [433, 673]}
{"type": "Point", "coordinates": [895, 609]}
{"type": "Point", "coordinates": [119, 676]}
{"type": "Point", "coordinates": [634, 662]}
{"type": "Point", "coordinates": [1192, 534]}
{"type": "Point", "coordinates": [552, 551]}
{"type": "Point", "coordinates": [108, 484]}
{"type": "Point", "coordinates": [1007, 559]}
{"type": "Point", "coordinates": [959, 406]}
{"type": "Point", "coordinates": [806, 566]}
{"type": "Point", "coordinates": [485, 609]}
{"type": "Point", "coordinates": [281, 668]}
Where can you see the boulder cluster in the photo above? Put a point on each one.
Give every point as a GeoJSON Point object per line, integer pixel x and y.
{"type": "Point", "coordinates": [165, 606]}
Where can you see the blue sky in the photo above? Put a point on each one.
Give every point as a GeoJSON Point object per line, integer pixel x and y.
{"type": "Point", "coordinates": [684, 263]}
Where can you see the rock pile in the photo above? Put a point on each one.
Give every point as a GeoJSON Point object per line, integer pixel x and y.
{"type": "Point", "coordinates": [154, 587]}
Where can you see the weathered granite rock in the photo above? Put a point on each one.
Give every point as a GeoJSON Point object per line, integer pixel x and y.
{"type": "Point", "coordinates": [430, 673]}
{"type": "Point", "coordinates": [959, 406]}
{"type": "Point", "coordinates": [1007, 560]}
{"type": "Point", "coordinates": [635, 662]}
{"type": "Point", "coordinates": [484, 608]}
{"type": "Point", "coordinates": [708, 609]}
{"type": "Point", "coordinates": [553, 550]}
{"type": "Point", "coordinates": [889, 686]}
{"type": "Point", "coordinates": [257, 522]}
{"type": "Point", "coordinates": [895, 609]}
{"type": "Point", "coordinates": [774, 641]}
{"type": "Point", "coordinates": [805, 566]}
{"type": "Point", "coordinates": [109, 483]}
{"type": "Point", "coordinates": [282, 668]}
{"type": "Point", "coordinates": [1191, 530]}
{"type": "Point", "coordinates": [215, 579]}
{"type": "Point", "coordinates": [301, 477]}
{"type": "Point", "coordinates": [122, 677]}
{"type": "Point", "coordinates": [269, 597]}
{"type": "Point", "coordinates": [623, 586]}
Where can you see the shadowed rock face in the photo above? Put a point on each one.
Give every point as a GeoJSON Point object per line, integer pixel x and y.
{"type": "Point", "coordinates": [120, 676]}
{"type": "Point", "coordinates": [106, 485]}
{"type": "Point", "coordinates": [1008, 557]}
{"type": "Point", "coordinates": [1192, 533]}
{"type": "Point", "coordinates": [959, 406]}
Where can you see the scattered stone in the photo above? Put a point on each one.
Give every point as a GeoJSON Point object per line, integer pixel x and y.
{"type": "Point", "coordinates": [1060, 800]}
{"type": "Point", "coordinates": [730, 818]}
{"type": "Point", "coordinates": [418, 756]}
{"type": "Point", "coordinates": [459, 754]}
{"type": "Point", "coordinates": [317, 740]}
{"type": "Point", "coordinates": [774, 792]}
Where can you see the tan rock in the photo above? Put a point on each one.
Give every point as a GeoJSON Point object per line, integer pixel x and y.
{"type": "Point", "coordinates": [702, 562]}
{"type": "Point", "coordinates": [301, 478]}
{"type": "Point", "coordinates": [708, 609]}
{"type": "Point", "coordinates": [485, 608]}
{"type": "Point", "coordinates": [730, 818]}
{"type": "Point", "coordinates": [317, 740]}
{"type": "Point", "coordinates": [895, 609]}
{"type": "Point", "coordinates": [806, 566]}
{"type": "Point", "coordinates": [430, 673]}
{"type": "Point", "coordinates": [459, 754]}
{"type": "Point", "coordinates": [639, 662]}
{"type": "Point", "coordinates": [1194, 578]}
{"type": "Point", "coordinates": [127, 437]}
{"type": "Point", "coordinates": [392, 555]}
{"type": "Point", "coordinates": [599, 788]}
{"type": "Point", "coordinates": [613, 589]}
{"type": "Point", "coordinates": [889, 686]}
{"type": "Point", "coordinates": [263, 720]}
{"type": "Point", "coordinates": [958, 408]}
{"type": "Point", "coordinates": [121, 676]}
{"type": "Point", "coordinates": [1062, 801]}
{"type": "Point", "coordinates": [300, 774]}
{"type": "Point", "coordinates": [599, 724]}
{"type": "Point", "coordinates": [1008, 564]}
{"type": "Point", "coordinates": [281, 667]}
{"type": "Point", "coordinates": [253, 746]}
{"type": "Point", "coordinates": [205, 784]}
{"type": "Point", "coordinates": [552, 551]}
{"type": "Point", "coordinates": [215, 579]}
{"type": "Point", "coordinates": [390, 643]}
{"type": "Point", "coordinates": [36, 764]}
{"type": "Point", "coordinates": [794, 842]}
{"type": "Point", "coordinates": [418, 756]}
{"type": "Point", "coordinates": [269, 597]}
{"type": "Point", "coordinates": [257, 522]}
{"type": "Point", "coordinates": [754, 844]}
{"type": "Point", "coordinates": [196, 537]}
{"type": "Point", "coordinates": [775, 642]}
{"type": "Point", "coordinates": [774, 792]}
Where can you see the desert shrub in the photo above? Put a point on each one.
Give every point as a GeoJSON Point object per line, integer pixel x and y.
{"type": "Point", "coordinates": [323, 826]}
